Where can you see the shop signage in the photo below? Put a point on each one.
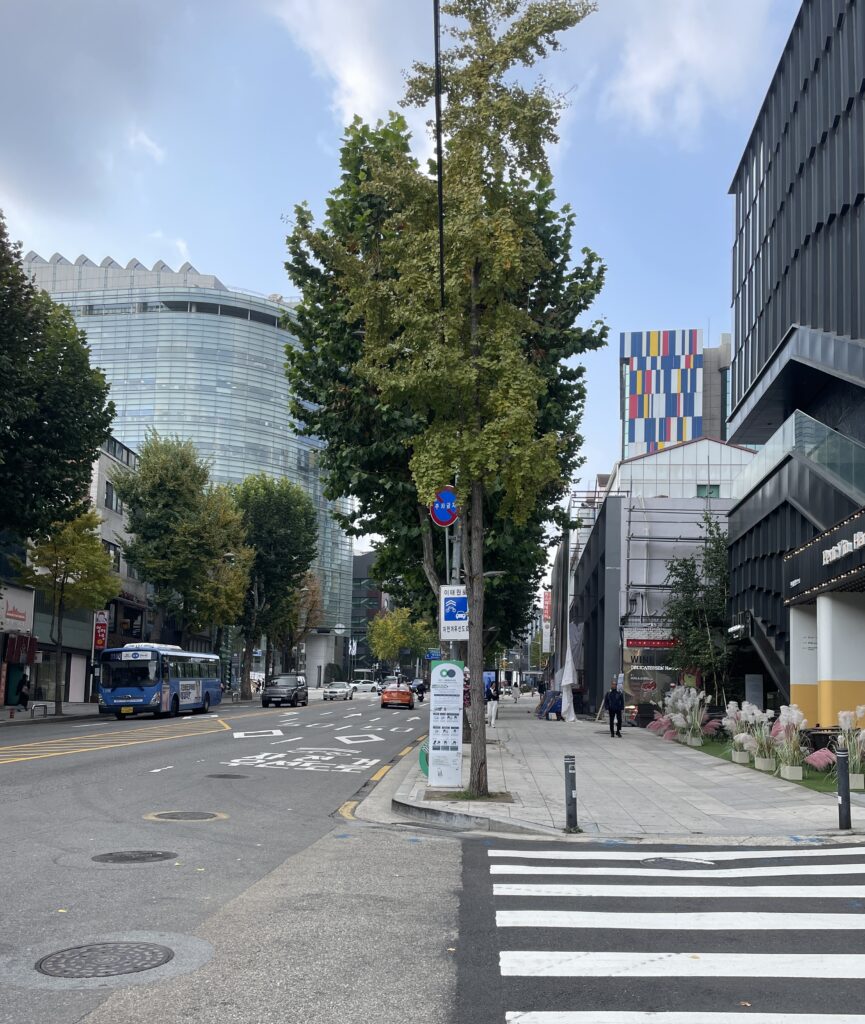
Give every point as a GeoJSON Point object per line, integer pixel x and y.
{"type": "Point", "coordinates": [665, 642]}
{"type": "Point", "coordinates": [830, 561]}
{"type": "Point", "coordinates": [100, 630]}
{"type": "Point", "coordinates": [16, 610]}
{"type": "Point", "coordinates": [547, 623]}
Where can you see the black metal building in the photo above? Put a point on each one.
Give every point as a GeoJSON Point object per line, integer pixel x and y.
{"type": "Point", "coordinates": [798, 372]}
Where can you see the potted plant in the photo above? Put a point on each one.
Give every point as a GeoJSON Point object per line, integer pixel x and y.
{"type": "Point", "coordinates": [851, 737]}
{"type": "Point", "coordinates": [789, 749]}
{"type": "Point", "coordinates": [764, 751]}
{"type": "Point", "coordinates": [736, 727]}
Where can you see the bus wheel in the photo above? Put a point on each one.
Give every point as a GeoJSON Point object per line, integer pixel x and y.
{"type": "Point", "coordinates": [206, 707]}
{"type": "Point", "coordinates": [119, 716]}
{"type": "Point", "coordinates": [175, 707]}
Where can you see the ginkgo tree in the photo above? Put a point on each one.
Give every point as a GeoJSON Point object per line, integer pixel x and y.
{"type": "Point", "coordinates": [481, 387]}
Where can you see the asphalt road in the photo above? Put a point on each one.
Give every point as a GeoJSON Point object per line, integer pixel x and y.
{"type": "Point", "coordinates": [274, 779]}
{"type": "Point", "coordinates": [554, 933]}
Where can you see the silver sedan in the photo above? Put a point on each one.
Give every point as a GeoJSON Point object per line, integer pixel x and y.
{"type": "Point", "coordinates": [338, 691]}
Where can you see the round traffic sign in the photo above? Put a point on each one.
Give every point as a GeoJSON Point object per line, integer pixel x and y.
{"type": "Point", "coordinates": [444, 511]}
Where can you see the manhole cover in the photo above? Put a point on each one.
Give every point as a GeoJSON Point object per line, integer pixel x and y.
{"type": "Point", "coordinates": [104, 960]}
{"type": "Point", "coordinates": [185, 815]}
{"type": "Point", "coordinates": [134, 857]}
{"type": "Point", "coordinates": [227, 776]}
{"type": "Point", "coordinates": [678, 864]}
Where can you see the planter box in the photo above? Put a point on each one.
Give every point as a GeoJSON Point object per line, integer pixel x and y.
{"type": "Point", "coordinates": [791, 772]}
{"type": "Point", "coordinates": [764, 764]}
{"type": "Point", "coordinates": [857, 780]}
{"type": "Point", "coordinates": [741, 757]}
{"type": "Point", "coordinates": [695, 741]}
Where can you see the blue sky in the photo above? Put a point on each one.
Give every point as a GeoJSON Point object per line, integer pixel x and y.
{"type": "Point", "coordinates": [188, 130]}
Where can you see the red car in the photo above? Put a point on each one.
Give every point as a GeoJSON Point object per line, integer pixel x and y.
{"type": "Point", "coordinates": [399, 694]}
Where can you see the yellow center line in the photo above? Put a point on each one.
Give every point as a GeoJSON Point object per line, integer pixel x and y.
{"type": "Point", "coordinates": [47, 749]}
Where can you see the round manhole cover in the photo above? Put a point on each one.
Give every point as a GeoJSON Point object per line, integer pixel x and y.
{"type": "Point", "coordinates": [228, 776]}
{"type": "Point", "coordinates": [678, 863]}
{"type": "Point", "coordinates": [185, 815]}
{"type": "Point", "coordinates": [134, 857]}
{"type": "Point", "coordinates": [104, 960]}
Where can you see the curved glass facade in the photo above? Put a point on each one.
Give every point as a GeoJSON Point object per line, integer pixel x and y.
{"type": "Point", "coordinates": [189, 357]}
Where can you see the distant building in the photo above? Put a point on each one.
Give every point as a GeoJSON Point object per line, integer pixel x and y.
{"type": "Point", "coordinates": [651, 510]}
{"type": "Point", "coordinates": [672, 389]}
{"type": "Point", "coordinates": [367, 601]}
{"type": "Point", "coordinates": [188, 356]}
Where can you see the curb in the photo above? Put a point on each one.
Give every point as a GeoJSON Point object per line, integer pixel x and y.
{"type": "Point", "coordinates": [473, 822]}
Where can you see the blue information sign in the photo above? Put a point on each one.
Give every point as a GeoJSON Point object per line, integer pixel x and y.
{"type": "Point", "coordinates": [432, 655]}
{"type": "Point", "coordinates": [444, 511]}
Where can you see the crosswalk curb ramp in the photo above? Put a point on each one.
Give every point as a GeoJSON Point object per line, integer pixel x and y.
{"type": "Point", "coordinates": [679, 936]}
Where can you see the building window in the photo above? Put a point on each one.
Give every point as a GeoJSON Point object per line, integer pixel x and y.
{"type": "Point", "coordinates": [708, 490]}
{"type": "Point", "coordinates": [112, 501]}
{"type": "Point", "coordinates": [113, 553]}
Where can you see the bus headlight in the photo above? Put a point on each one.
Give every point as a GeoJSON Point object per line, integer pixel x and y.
{"type": "Point", "coordinates": [155, 698]}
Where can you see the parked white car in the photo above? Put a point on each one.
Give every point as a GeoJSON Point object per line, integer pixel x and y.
{"type": "Point", "coordinates": [338, 691]}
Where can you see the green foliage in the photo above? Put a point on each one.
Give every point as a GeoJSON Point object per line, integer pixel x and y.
{"type": "Point", "coordinates": [69, 564]}
{"type": "Point", "coordinates": [696, 609]}
{"type": "Point", "coordinates": [280, 522]}
{"type": "Point", "coordinates": [392, 632]}
{"type": "Point", "coordinates": [479, 393]}
{"type": "Point", "coordinates": [54, 408]}
{"type": "Point", "coordinates": [187, 539]}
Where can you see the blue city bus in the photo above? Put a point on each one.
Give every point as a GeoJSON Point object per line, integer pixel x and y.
{"type": "Point", "coordinates": [157, 679]}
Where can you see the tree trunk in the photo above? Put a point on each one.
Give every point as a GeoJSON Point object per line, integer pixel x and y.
{"type": "Point", "coordinates": [474, 550]}
{"type": "Point", "coordinates": [268, 662]}
{"type": "Point", "coordinates": [429, 565]}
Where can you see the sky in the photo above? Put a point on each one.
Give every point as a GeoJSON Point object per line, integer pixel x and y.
{"type": "Point", "coordinates": [189, 130]}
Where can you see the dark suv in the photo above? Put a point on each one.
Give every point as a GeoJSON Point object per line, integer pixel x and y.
{"type": "Point", "coordinates": [285, 690]}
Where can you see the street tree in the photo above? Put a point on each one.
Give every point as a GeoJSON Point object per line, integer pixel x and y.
{"type": "Point", "coordinates": [294, 618]}
{"type": "Point", "coordinates": [280, 522]}
{"type": "Point", "coordinates": [696, 609]}
{"type": "Point", "coordinates": [187, 539]}
{"type": "Point", "coordinates": [390, 633]}
{"type": "Point", "coordinates": [54, 407]}
{"type": "Point", "coordinates": [487, 397]}
{"type": "Point", "coordinates": [69, 564]}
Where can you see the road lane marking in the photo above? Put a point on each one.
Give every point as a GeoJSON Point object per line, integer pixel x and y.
{"type": "Point", "coordinates": [404, 751]}
{"type": "Point", "coordinates": [153, 771]}
{"type": "Point", "coordinates": [697, 892]}
{"type": "Point", "coordinates": [737, 854]}
{"type": "Point", "coordinates": [779, 871]}
{"type": "Point", "coordinates": [655, 964]}
{"type": "Point", "coordinates": [347, 809]}
{"type": "Point", "coordinates": [690, 922]}
{"type": "Point", "coordinates": [14, 753]}
{"type": "Point", "coordinates": [688, 1017]}
{"type": "Point", "coordinates": [291, 739]}
{"type": "Point", "coordinates": [380, 774]}
{"type": "Point", "coordinates": [258, 734]}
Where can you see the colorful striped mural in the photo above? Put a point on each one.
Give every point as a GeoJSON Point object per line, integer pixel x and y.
{"type": "Point", "coordinates": [662, 389]}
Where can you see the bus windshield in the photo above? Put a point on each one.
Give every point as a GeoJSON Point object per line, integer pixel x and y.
{"type": "Point", "coordinates": [117, 674]}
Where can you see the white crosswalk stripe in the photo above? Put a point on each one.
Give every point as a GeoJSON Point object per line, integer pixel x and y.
{"type": "Point", "coordinates": [765, 930]}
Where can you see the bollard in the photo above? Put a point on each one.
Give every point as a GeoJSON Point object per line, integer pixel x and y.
{"type": "Point", "coordinates": [11, 712]}
{"type": "Point", "coordinates": [843, 767]}
{"type": "Point", "coordinates": [570, 793]}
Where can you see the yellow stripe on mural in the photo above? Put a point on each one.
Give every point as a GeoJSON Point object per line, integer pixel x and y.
{"type": "Point", "coordinates": [654, 337]}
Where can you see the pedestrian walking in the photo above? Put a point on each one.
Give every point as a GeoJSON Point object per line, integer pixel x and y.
{"type": "Point", "coordinates": [493, 703]}
{"type": "Point", "coordinates": [23, 692]}
{"type": "Point", "coordinates": [614, 705]}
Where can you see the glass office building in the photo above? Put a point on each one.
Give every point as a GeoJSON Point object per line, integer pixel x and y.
{"type": "Point", "coordinates": [187, 356]}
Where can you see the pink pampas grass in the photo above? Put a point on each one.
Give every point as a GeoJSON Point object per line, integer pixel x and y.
{"type": "Point", "coordinates": [821, 759]}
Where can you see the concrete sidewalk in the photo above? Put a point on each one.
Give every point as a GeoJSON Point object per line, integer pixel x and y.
{"type": "Point", "coordinates": [636, 786]}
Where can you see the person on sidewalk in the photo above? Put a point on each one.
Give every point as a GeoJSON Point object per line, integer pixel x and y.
{"type": "Point", "coordinates": [23, 692]}
{"type": "Point", "coordinates": [493, 703]}
{"type": "Point", "coordinates": [614, 705]}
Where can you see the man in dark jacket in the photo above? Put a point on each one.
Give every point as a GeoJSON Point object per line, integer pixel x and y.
{"type": "Point", "coordinates": [614, 705]}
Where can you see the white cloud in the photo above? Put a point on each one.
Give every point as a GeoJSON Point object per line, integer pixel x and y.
{"type": "Point", "coordinates": [674, 61]}
{"type": "Point", "coordinates": [182, 248]}
{"type": "Point", "coordinates": [362, 48]}
{"type": "Point", "coordinates": [139, 140]}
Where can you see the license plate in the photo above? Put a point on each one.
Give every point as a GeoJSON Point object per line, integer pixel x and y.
{"type": "Point", "coordinates": [127, 711]}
